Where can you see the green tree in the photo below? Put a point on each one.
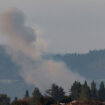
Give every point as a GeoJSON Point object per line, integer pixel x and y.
{"type": "Point", "coordinates": [14, 101]}
{"type": "Point", "coordinates": [93, 90]}
{"type": "Point", "coordinates": [85, 92]}
{"type": "Point", "coordinates": [56, 92]}
{"type": "Point", "coordinates": [45, 101]}
{"type": "Point", "coordinates": [27, 94]}
{"type": "Point", "coordinates": [101, 91]}
{"type": "Point", "coordinates": [36, 95]}
{"type": "Point", "coordinates": [4, 99]}
{"type": "Point", "coordinates": [75, 90]}
{"type": "Point", "coordinates": [48, 100]}
{"type": "Point", "coordinates": [40, 101]}
{"type": "Point", "coordinates": [61, 93]}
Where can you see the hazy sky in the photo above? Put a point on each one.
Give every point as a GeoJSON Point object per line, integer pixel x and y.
{"type": "Point", "coordinates": [68, 25]}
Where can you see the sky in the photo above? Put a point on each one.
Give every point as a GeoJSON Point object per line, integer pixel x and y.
{"type": "Point", "coordinates": [68, 25]}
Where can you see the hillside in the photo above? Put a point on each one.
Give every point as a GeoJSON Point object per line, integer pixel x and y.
{"type": "Point", "coordinates": [90, 65]}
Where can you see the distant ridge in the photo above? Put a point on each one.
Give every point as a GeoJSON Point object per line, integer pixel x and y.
{"type": "Point", "coordinates": [90, 65]}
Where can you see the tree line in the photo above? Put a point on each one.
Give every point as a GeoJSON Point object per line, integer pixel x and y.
{"type": "Point", "coordinates": [56, 94]}
{"type": "Point", "coordinates": [84, 92]}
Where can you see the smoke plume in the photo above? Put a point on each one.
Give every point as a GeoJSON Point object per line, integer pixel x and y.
{"type": "Point", "coordinates": [26, 48]}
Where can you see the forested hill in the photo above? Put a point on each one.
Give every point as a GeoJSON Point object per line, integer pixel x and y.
{"type": "Point", "coordinates": [90, 65]}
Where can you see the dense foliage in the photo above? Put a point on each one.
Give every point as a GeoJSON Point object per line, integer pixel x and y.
{"type": "Point", "coordinates": [80, 92]}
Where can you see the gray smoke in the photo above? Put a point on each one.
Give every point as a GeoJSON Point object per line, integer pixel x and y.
{"type": "Point", "coordinates": [26, 48]}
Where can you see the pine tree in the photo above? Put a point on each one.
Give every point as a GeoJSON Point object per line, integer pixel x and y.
{"type": "Point", "coordinates": [15, 99]}
{"type": "Point", "coordinates": [36, 95]}
{"type": "Point", "coordinates": [26, 94]}
{"type": "Point", "coordinates": [101, 92]}
{"type": "Point", "coordinates": [4, 99]}
{"type": "Point", "coordinates": [85, 92]}
{"type": "Point", "coordinates": [93, 90]}
{"type": "Point", "coordinates": [75, 90]}
{"type": "Point", "coordinates": [61, 93]}
{"type": "Point", "coordinates": [56, 92]}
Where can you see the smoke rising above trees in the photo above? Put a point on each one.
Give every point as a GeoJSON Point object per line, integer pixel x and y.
{"type": "Point", "coordinates": [27, 51]}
